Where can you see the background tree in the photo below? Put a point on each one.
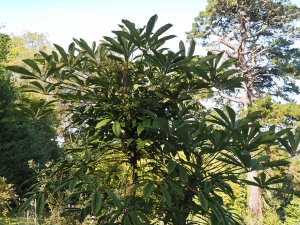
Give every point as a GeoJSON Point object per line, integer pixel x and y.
{"type": "Point", "coordinates": [26, 133]}
{"type": "Point", "coordinates": [24, 46]}
{"type": "Point", "coordinates": [7, 194]}
{"type": "Point", "coordinates": [4, 47]}
{"type": "Point", "coordinates": [26, 123]}
{"type": "Point", "coordinates": [147, 152]}
{"type": "Point", "coordinates": [261, 35]}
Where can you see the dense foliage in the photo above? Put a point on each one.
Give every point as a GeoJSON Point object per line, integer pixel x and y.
{"type": "Point", "coordinates": [25, 135]}
{"type": "Point", "coordinates": [6, 195]}
{"type": "Point", "coordinates": [146, 150]}
{"type": "Point", "coordinates": [26, 124]}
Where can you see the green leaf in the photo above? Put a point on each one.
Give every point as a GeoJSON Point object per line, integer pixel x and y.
{"type": "Point", "coordinates": [182, 47]}
{"type": "Point", "coordinates": [102, 123]}
{"type": "Point", "coordinates": [71, 49]}
{"type": "Point", "coordinates": [117, 47]}
{"type": "Point", "coordinates": [131, 27]}
{"type": "Point", "coordinates": [53, 70]}
{"type": "Point", "coordinates": [38, 85]}
{"type": "Point", "coordinates": [140, 129]}
{"type": "Point", "coordinates": [61, 52]}
{"type": "Point", "coordinates": [115, 200]}
{"type": "Point", "coordinates": [177, 189]}
{"type": "Point", "coordinates": [218, 214]}
{"type": "Point", "coordinates": [125, 35]}
{"type": "Point", "coordinates": [88, 155]}
{"type": "Point", "coordinates": [276, 163]}
{"type": "Point", "coordinates": [232, 116]}
{"type": "Point", "coordinates": [183, 174]}
{"type": "Point", "coordinates": [32, 64]}
{"type": "Point", "coordinates": [191, 49]}
{"type": "Point", "coordinates": [135, 218]}
{"type": "Point", "coordinates": [275, 180]}
{"type": "Point", "coordinates": [161, 30]}
{"type": "Point", "coordinates": [150, 25]}
{"type": "Point", "coordinates": [206, 58]}
{"type": "Point", "coordinates": [96, 202]}
{"type": "Point", "coordinates": [26, 204]}
{"type": "Point", "coordinates": [263, 178]}
{"type": "Point", "coordinates": [166, 196]}
{"type": "Point", "coordinates": [227, 63]}
{"type": "Point", "coordinates": [73, 183]}
{"type": "Point", "coordinates": [19, 69]}
{"type": "Point", "coordinates": [83, 45]}
{"type": "Point", "coordinates": [223, 116]}
{"type": "Point", "coordinates": [116, 127]}
{"type": "Point", "coordinates": [116, 58]}
{"type": "Point", "coordinates": [250, 183]}
{"type": "Point", "coordinates": [65, 183]}
{"type": "Point", "coordinates": [203, 201]}
{"type": "Point", "coordinates": [283, 190]}
{"type": "Point", "coordinates": [40, 204]}
{"type": "Point", "coordinates": [164, 39]}
{"type": "Point", "coordinates": [171, 166]}
{"type": "Point", "coordinates": [148, 189]}
{"type": "Point", "coordinates": [126, 220]}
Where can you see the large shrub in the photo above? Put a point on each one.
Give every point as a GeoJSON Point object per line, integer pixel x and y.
{"type": "Point", "coordinates": [147, 152]}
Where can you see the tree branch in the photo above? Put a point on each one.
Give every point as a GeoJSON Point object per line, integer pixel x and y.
{"type": "Point", "coordinates": [259, 32]}
{"type": "Point", "coordinates": [237, 100]}
{"type": "Point", "coordinates": [229, 45]}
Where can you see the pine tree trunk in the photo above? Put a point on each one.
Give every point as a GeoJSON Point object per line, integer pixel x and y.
{"type": "Point", "coordinates": [254, 194]}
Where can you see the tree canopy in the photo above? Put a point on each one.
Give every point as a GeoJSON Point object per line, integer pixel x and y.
{"type": "Point", "coordinates": [261, 35]}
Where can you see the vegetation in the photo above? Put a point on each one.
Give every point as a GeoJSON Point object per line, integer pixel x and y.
{"type": "Point", "coordinates": [146, 150]}
{"type": "Point", "coordinates": [26, 130]}
{"type": "Point", "coordinates": [6, 195]}
{"type": "Point", "coordinates": [255, 32]}
{"type": "Point", "coordinates": [115, 132]}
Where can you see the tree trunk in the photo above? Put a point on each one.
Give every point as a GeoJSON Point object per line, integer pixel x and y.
{"type": "Point", "coordinates": [254, 194]}
{"type": "Point", "coordinates": [255, 197]}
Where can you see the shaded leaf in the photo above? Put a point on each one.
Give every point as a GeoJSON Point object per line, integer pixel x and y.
{"type": "Point", "coordinates": [96, 202]}
{"type": "Point", "coordinates": [148, 189]}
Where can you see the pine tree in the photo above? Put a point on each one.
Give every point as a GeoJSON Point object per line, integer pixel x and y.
{"type": "Point", "coordinates": [261, 36]}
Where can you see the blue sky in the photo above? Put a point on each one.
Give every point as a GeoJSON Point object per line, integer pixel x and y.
{"type": "Point", "coordinates": [92, 19]}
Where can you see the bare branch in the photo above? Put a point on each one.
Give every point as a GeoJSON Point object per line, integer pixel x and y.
{"type": "Point", "coordinates": [237, 100]}
{"type": "Point", "coordinates": [228, 44]}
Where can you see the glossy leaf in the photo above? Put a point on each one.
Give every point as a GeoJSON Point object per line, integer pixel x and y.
{"type": "Point", "coordinates": [116, 127]}
{"type": "Point", "coordinates": [96, 202]}
{"type": "Point", "coordinates": [102, 123]}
